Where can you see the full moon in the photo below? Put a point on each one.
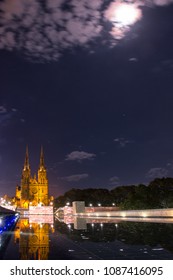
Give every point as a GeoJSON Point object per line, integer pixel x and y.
{"type": "Point", "coordinates": [126, 14]}
{"type": "Point", "coordinates": [123, 14]}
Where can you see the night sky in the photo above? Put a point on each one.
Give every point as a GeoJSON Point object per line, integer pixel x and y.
{"type": "Point", "coordinates": [93, 87]}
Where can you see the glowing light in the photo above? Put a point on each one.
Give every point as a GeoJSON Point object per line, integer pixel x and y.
{"type": "Point", "coordinates": [144, 215]}
{"type": "Point", "coordinates": [126, 14]}
{"type": "Point", "coordinates": [122, 16]}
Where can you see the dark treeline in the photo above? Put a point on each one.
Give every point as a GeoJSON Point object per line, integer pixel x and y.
{"type": "Point", "coordinates": [157, 194]}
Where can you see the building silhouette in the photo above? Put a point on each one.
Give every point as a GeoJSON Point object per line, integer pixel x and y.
{"type": "Point", "coordinates": [33, 190]}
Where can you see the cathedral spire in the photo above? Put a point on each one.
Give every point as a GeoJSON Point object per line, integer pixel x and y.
{"type": "Point", "coordinates": [42, 174]}
{"type": "Point", "coordinates": [26, 163]}
{"type": "Point", "coordinates": [42, 166]}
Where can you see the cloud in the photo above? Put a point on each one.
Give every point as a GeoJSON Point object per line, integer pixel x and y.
{"type": "Point", "coordinates": [3, 110]}
{"type": "Point", "coordinates": [80, 155]}
{"type": "Point", "coordinates": [165, 66]}
{"type": "Point", "coordinates": [76, 177]}
{"type": "Point", "coordinates": [5, 116]}
{"type": "Point", "coordinates": [170, 165]}
{"type": "Point", "coordinates": [122, 14]}
{"type": "Point", "coordinates": [122, 142]}
{"type": "Point", "coordinates": [114, 180]}
{"type": "Point", "coordinates": [42, 30]}
{"type": "Point", "coordinates": [162, 2]}
{"type": "Point", "coordinates": [133, 59]}
{"type": "Point", "coordinates": [157, 172]}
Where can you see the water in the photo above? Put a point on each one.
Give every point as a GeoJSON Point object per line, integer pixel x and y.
{"type": "Point", "coordinates": [91, 239]}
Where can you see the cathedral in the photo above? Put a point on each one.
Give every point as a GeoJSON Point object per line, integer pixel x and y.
{"type": "Point", "coordinates": [33, 191]}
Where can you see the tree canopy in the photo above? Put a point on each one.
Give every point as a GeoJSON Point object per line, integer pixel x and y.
{"type": "Point", "coordinates": [157, 194]}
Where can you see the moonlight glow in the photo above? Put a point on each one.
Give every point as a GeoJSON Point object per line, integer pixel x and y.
{"type": "Point", "coordinates": [123, 16]}
{"type": "Point", "coordinates": [126, 14]}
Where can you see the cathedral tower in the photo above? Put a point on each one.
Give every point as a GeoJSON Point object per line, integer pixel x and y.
{"type": "Point", "coordinates": [34, 191]}
{"type": "Point", "coordinates": [25, 181]}
{"type": "Point", "coordinates": [42, 180]}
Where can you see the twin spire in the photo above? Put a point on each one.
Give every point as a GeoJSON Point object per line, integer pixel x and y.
{"type": "Point", "coordinates": [42, 158]}
{"type": "Point", "coordinates": [26, 163]}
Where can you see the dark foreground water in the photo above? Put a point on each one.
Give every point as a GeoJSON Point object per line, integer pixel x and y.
{"type": "Point", "coordinates": [80, 239]}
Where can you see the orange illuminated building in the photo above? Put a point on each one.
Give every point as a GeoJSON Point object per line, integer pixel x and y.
{"type": "Point", "coordinates": [33, 190]}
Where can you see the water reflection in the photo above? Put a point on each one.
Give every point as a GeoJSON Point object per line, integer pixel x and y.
{"type": "Point", "coordinates": [145, 238]}
{"type": "Point", "coordinates": [41, 238]}
{"type": "Point", "coordinates": [32, 235]}
{"type": "Point", "coordinates": [7, 223]}
{"type": "Point", "coordinates": [80, 223]}
{"type": "Point", "coordinates": [132, 231]}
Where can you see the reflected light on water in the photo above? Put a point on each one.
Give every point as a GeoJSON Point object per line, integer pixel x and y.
{"type": "Point", "coordinates": [85, 237]}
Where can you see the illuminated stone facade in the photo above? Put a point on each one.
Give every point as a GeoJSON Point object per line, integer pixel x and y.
{"type": "Point", "coordinates": [33, 190]}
